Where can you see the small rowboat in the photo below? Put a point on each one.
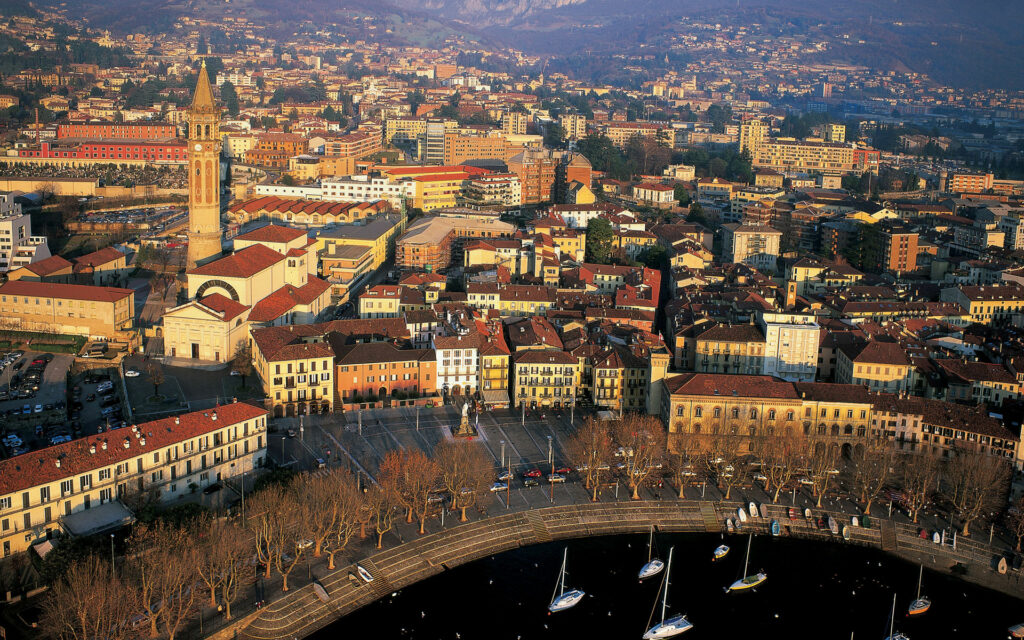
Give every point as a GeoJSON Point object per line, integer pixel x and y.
{"type": "Point", "coordinates": [1001, 567]}
{"type": "Point", "coordinates": [364, 574]}
{"type": "Point", "coordinates": [776, 529]}
{"type": "Point", "coordinates": [753, 510]}
{"type": "Point", "coordinates": [721, 551]}
{"type": "Point", "coordinates": [833, 526]}
{"type": "Point", "coordinates": [742, 514]}
{"type": "Point", "coordinates": [854, 521]}
{"type": "Point", "coordinates": [807, 512]}
{"type": "Point", "coordinates": [1017, 630]}
{"type": "Point", "coordinates": [793, 513]}
{"type": "Point", "coordinates": [936, 538]}
{"type": "Point", "coordinates": [846, 532]}
{"type": "Point", "coordinates": [729, 525]}
{"type": "Point", "coordinates": [865, 522]}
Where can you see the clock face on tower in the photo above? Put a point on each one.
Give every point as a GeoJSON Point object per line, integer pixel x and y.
{"type": "Point", "coordinates": [199, 147]}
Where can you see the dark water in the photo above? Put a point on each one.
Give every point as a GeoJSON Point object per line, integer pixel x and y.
{"type": "Point", "coordinates": [814, 590]}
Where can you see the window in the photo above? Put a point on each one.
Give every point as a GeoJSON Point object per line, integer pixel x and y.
{"type": "Point", "coordinates": [67, 487]}
{"type": "Point", "coordinates": [5, 503]}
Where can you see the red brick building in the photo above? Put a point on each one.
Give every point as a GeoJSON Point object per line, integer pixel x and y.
{"type": "Point", "coordinates": [157, 151]}
{"type": "Point", "coordinates": [118, 130]}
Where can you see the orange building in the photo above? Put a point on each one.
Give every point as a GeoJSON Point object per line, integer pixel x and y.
{"type": "Point", "coordinates": [898, 250]}
{"type": "Point", "coordinates": [353, 145]}
{"type": "Point", "coordinates": [380, 369]}
{"type": "Point", "coordinates": [290, 143]}
{"type": "Point", "coordinates": [120, 130]}
{"type": "Point", "coordinates": [536, 170]}
{"type": "Point", "coordinates": [459, 147]}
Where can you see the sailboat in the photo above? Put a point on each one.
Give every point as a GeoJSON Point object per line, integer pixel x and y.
{"type": "Point", "coordinates": [674, 625]}
{"type": "Point", "coordinates": [892, 622]}
{"type": "Point", "coordinates": [748, 582]}
{"type": "Point", "coordinates": [920, 604]}
{"type": "Point", "coordinates": [565, 599]}
{"type": "Point", "coordinates": [721, 551]}
{"type": "Point", "coordinates": [654, 565]}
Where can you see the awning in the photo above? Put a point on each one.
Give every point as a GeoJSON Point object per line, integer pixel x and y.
{"type": "Point", "coordinates": [495, 397]}
{"type": "Point", "coordinates": [104, 517]}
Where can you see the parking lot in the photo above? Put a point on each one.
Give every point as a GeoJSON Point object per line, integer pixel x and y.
{"type": "Point", "coordinates": [44, 398]}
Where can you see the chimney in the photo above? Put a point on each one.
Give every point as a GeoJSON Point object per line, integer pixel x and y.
{"type": "Point", "coordinates": [214, 416]}
{"type": "Point", "coordinates": [127, 443]}
{"type": "Point", "coordinates": [92, 448]}
{"type": "Point", "coordinates": [57, 462]}
{"type": "Point", "coordinates": [104, 445]}
{"type": "Point", "coordinates": [176, 420]}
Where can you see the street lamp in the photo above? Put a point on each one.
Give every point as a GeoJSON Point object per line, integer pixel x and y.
{"type": "Point", "coordinates": [111, 553]}
{"type": "Point", "coordinates": [551, 478]}
{"type": "Point", "coordinates": [503, 453]}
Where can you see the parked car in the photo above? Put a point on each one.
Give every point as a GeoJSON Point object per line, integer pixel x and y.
{"type": "Point", "coordinates": [533, 473]}
{"type": "Point", "coordinates": [556, 477]}
{"type": "Point", "coordinates": [531, 482]}
{"type": "Point", "coordinates": [499, 486]}
{"type": "Point", "coordinates": [132, 373]}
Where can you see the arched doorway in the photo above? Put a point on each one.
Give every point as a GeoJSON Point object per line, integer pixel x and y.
{"type": "Point", "coordinates": [278, 411]}
{"type": "Point", "coordinates": [382, 393]}
{"type": "Point", "coordinates": [847, 451]}
{"type": "Point", "coordinates": [289, 410]}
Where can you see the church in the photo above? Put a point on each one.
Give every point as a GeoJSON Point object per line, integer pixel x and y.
{"type": "Point", "coordinates": [268, 280]}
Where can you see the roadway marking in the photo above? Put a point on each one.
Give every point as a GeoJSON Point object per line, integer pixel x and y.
{"type": "Point", "coordinates": [343, 449]}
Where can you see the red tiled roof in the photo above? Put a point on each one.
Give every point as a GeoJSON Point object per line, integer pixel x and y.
{"type": "Point", "coordinates": [287, 298]}
{"type": "Point", "coordinates": [272, 233]}
{"type": "Point", "coordinates": [725, 385]}
{"type": "Point", "coordinates": [47, 266]}
{"type": "Point", "coordinates": [98, 258]}
{"type": "Point", "coordinates": [226, 308]}
{"type": "Point", "coordinates": [65, 291]}
{"type": "Point", "coordinates": [39, 467]}
{"type": "Point", "coordinates": [241, 264]}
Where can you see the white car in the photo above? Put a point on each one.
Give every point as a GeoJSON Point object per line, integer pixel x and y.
{"type": "Point", "coordinates": [499, 486]}
{"type": "Point", "coordinates": [132, 373]}
{"type": "Point", "coordinates": [235, 372]}
{"type": "Point", "coordinates": [556, 477]}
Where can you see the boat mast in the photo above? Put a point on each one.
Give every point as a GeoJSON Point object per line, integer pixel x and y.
{"type": "Point", "coordinates": [565, 560]}
{"type": "Point", "coordinates": [920, 575]}
{"type": "Point", "coordinates": [650, 541]}
{"type": "Point", "coordinates": [892, 616]}
{"type": "Point", "coordinates": [668, 574]}
{"type": "Point", "coordinates": [746, 562]}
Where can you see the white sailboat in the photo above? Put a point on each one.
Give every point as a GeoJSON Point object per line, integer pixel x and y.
{"type": "Point", "coordinates": [672, 626]}
{"type": "Point", "coordinates": [921, 604]}
{"type": "Point", "coordinates": [562, 599]}
{"type": "Point", "coordinates": [654, 565]}
{"type": "Point", "coordinates": [892, 623]}
{"type": "Point", "coordinates": [751, 581]}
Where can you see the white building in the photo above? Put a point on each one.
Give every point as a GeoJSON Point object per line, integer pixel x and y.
{"type": "Point", "coordinates": [18, 247]}
{"type": "Point", "coordinates": [356, 188]}
{"type": "Point", "coordinates": [791, 346]}
{"type": "Point", "coordinates": [457, 364]}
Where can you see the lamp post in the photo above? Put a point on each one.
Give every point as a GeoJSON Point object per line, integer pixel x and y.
{"type": "Point", "coordinates": [551, 478]}
{"type": "Point", "coordinates": [502, 453]}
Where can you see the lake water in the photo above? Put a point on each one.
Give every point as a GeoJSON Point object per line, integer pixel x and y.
{"type": "Point", "coordinates": [814, 590]}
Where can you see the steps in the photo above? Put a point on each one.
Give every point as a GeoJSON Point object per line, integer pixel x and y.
{"type": "Point", "coordinates": [540, 530]}
{"type": "Point", "coordinates": [888, 531]}
{"type": "Point", "coordinates": [380, 585]}
{"type": "Point", "coordinates": [709, 514]}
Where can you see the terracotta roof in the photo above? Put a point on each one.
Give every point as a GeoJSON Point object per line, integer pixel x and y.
{"type": "Point", "coordinates": [733, 333]}
{"type": "Point", "coordinates": [378, 352]}
{"type": "Point", "coordinates": [545, 356]}
{"type": "Point", "coordinates": [45, 267]}
{"type": "Point", "coordinates": [877, 352]}
{"type": "Point", "coordinates": [65, 291]}
{"type": "Point", "coordinates": [39, 467]}
{"type": "Point", "coordinates": [226, 308]}
{"type": "Point", "coordinates": [98, 258]}
{"type": "Point", "coordinates": [241, 264]}
{"type": "Point", "coordinates": [980, 371]}
{"type": "Point", "coordinates": [272, 233]}
{"type": "Point", "coordinates": [725, 385]}
{"type": "Point", "coordinates": [971, 419]}
{"type": "Point", "coordinates": [287, 298]}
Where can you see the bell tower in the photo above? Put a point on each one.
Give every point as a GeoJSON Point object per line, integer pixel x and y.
{"type": "Point", "coordinates": [204, 230]}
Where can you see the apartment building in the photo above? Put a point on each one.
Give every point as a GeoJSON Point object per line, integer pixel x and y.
{"type": "Point", "coordinates": [431, 242]}
{"type": "Point", "coordinates": [101, 313]}
{"type": "Point", "coordinates": [76, 487]}
{"type": "Point", "coordinates": [18, 247]}
{"type": "Point", "coordinates": [352, 145]}
{"type": "Point", "coordinates": [380, 301]}
{"type": "Point", "coordinates": [381, 370]}
{"type": "Point", "coordinates": [753, 245]}
{"type": "Point", "coordinates": [512, 299]}
{"type": "Point", "coordinates": [988, 304]}
{"type": "Point", "coordinates": [791, 345]}
{"type": "Point", "coordinates": [789, 154]}
{"type": "Point", "coordinates": [458, 363]}
{"type": "Point", "coordinates": [574, 125]}
{"type": "Point", "coordinates": [296, 373]}
{"type": "Point", "coordinates": [877, 364]}
{"type": "Point", "coordinates": [136, 130]}
{"type": "Point", "coordinates": [737, 349]}
{"type": "Point", "coordinates": [502, 190]}
{"type": "Point", "coordinates": [461, 146]}
{"type": "Point", "coordinates": [515, 122]}
{"type": "Point", "coordinates": [495, 360]}
{"type": "Point", "coordinates": [536, 169]}
{"type": "Point", "coordinates": [544, 378]}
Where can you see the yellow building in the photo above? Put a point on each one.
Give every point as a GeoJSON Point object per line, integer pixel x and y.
{"type": "Point", "coordinates": [495, 359]}
{"type": "Point", "coordinates": [209, 329]}
{"type": "Point", "coordinates": [544, 378]}
{"type": "Point", "coordinates": [730, 349]}
{"type": "Point", "coordinates": [297, 374]}
{"type": "Point", "coordinates": [570, 242]}
{"type": "Point", "coordinates": [512, 299]}
{"type": "Point", "coordinates": [77, 487]}
{"type": "Point", "coordinates": [104, 313]}
{"type": "Point", "coordinates": [381, 301]}
{"type": "Point", "coordinates": [379, 235]}
{"type": "Point", "coordinates": [876, 364]}
{"type": "Point", "coordinates": [988, 304]}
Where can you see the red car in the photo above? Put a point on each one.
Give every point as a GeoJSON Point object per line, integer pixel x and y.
{"type": "Point", "coordinates": [563, 470]}
{"type": "Point", "coordinates": [533, 473]}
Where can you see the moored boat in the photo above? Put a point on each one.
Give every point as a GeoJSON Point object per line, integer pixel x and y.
{"type": "Point", "coordinates": [721, 551]}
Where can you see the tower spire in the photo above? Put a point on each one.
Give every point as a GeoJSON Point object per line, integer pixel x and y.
{"type": "Point", "coordinates": [202, 99]}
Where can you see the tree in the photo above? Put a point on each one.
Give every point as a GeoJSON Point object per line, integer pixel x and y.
{"type": "Point", "coordinates": [163, 569]}
{"type": "Point", "coordinates": [381, 502]}
{"type": "Point", "coordinates": [349, 500]}
{"type": "Point", "coordinates": [264, 525]}
{"type": "Point", "coordinates": [820, 459]}
{"type": "Point", "coordinates": [726, 460]}
{"type": "Point", "coordinates": [466, 472]}
{"type": "Point", "coordinates": [980, 481]}
{"type": "Point", "coordinates": [641, 447]}
{"type": "Point", "coordinates": [318, 508]}
{"type": "Point", "coordinates": [681, 194]}
{"type": "Point", "coordinates": [654, 256]}
{"type": "Point", "coordinates": [649, 155]}
{"type": "Point", "coordinates": [155, 376]}
{"type": "Point", "coordinates": [90, 602]}
{"type": "Point", "coordinates": [600, 239]}
{"type": "Point", "coordinates": [689, 458]}
{"type": "Point", "coordinates": [780, 455]}
{"type": "Point", "coordinates": [229, 96]}
{"type": "Point", "coordinates": [920, 479]}
{"type": "Point", "coordinates": [222, 551]}
{"type": "Point", "coordinates": [554, 136]}
{"type": "Point", "coordinates": [1015, 521]}
{"type": "Point", "coordinates": [242, 362]}
{"type": "Point", "coordinates": [411, 475]}
{"type": "Point", "coordinates": [696, 214]}
{"type": "Point", "coordinates": [872, 468]}
{"type": "Point", "coordinates": [590, 450]}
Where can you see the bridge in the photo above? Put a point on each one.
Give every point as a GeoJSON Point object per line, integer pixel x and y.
{"type": "Point", "coordinates": [301, 612]}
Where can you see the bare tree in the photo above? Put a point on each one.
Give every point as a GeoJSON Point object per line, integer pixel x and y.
{"type": "Point", "coordinates": [263, 523]}
{"type": "Point", "coordinates": [221, 551]}
{"type": "Point", "coordinates": [155, 375]}
{"type": "Point", "coordinates": [1015, 521]}
{"type": "Point", "coordinates": [727, 460]}
{"type": "Point", "coordinates": [163, 569]}
{"type": "Point", "coordinates": [349, 500]}
{"type": "Point", "coordinates": [411, 475]}
{"type": "Point", "coordinates": [688, 463]}
{"type": "Point", "coordinates": [981, 482]}
{"type": "Point", "coordinates": [466, 471]}
{"type": "Point", "coordinates": [820, 459]}
{"type": "Point", "coordinates": [590, 450]}
{"type": "Point", "coordinates": [381, 503]}
{"type": "Point", "coordinates": [320, 512]}
{"type": "Point", "coordinates": [920, 480]}
{"type": "Point", "coordinates": [641, 449]}
{"type": "Point", "coordinates": [780, 456]}
{"type": "Point", "coordinates": [88, 603]}
{"type": "Point", "coordinates": [872, 469]}
{"type": "Point", "coordinates": [242, 362]}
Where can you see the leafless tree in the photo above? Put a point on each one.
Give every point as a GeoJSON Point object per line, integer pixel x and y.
{"type": "Point", "coordinates": [242, 362]}
{"type": "Point", "coordinates": [920, 474]}
{"type": "Point", "coordinates": [222, 549]}
{"type": "Point", "coordinates": [162, 566]}
{"type": "Point", "coordinates": [641, 449]}
{"type": "Point", "coordinates": [820, 459]}
{"type": "Point", "coordinates": [155, 375]}
{"type": "Point", "coordinates": [319, 510]}
{"type": "Point", "coordinates": [381, 502]}
{"type": "Point", "coordinates": [349, 500]}
{"type": "Point", "coordinates": [981, 482]}
{"type": "Point", "coordinates": [90, 602]}
{"type": "Point", "coordinates": [727, 460]}
{"type": "Point", "coordinates": [466, 471]}
{"type": "Point", "coordinates": [264, 524]}
{"type": "Point", "coordinates": [688, 458]}
{"type": "Point", "coordinates": [780, 456]}
{"type": "Point", "coordinates": [1015, 521]}
{"type": "Point", "coordinates": [872, 469]}
{"type": "Point", "coordinates": [590, 450]}
{"type": "Point", "coordinates": [411, 475]}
